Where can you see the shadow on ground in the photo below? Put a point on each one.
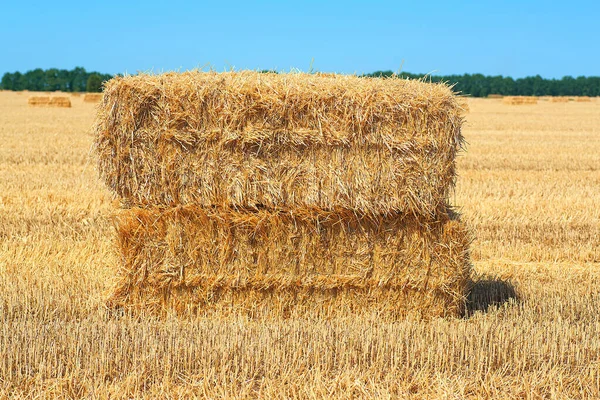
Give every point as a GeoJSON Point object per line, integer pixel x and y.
{"type": "Point", "coordinates": [489, 293]}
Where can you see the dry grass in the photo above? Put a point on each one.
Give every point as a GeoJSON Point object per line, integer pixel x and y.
{"type": "Point", "coordinates": [528, 185]}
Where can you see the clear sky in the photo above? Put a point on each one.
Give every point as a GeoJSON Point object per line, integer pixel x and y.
{"type": "Point", "coordinates": [514, 38]}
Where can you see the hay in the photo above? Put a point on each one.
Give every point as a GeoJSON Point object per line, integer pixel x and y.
{"type": "Point", "coordinates": [519, 100]}
{"type": "Point", "coordinates": [495, 96]}
{"type": "Point", "coordinates": [76, 94]}
{"type": "Point", "coordinates": [273, 263]}
{"type": "Point", "coordinates": [560, 99]}
{"type": "Point", "coordinates": [39, 101]}
{"type": "Point", "coordinates": [246, 139]}
{"type": "Point", "coordinates": [92, 97]}
{"type": "Point", "coordinates": [47, 101]}
{"type": "Point", "coordinates": [60, 101]}
{"type": "Point", "coordinates": [583, 99]}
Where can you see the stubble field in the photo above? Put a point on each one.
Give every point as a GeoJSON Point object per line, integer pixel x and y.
{"type": "Point", "coordinates": [528, 186]}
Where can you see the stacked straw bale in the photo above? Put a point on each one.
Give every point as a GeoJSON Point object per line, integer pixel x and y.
{"type": "Point", "coordinates": [284, 194]}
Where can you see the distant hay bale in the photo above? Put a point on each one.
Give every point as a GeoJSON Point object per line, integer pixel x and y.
{"type": "Point", "coordinates": [60, 101]}
{"type": "Point", "coordinates": [519, 100]}
{"type": "Point", "coordinates": [75, 94]}
{"type": "Point", "coordinates": [39, 101]}
{"type": "Point", "coordinates": [255, 140]}
{"type": "Point", "coordinates": [92, 97]}
{"type": "Point", "coordinates": [560, 99]}
{"type": "Point", "coordinates": [301, 263]}
{"type": "Point", "coordinates": [583, 99]}
{"type": "Point", "coordinates": [495, 96]}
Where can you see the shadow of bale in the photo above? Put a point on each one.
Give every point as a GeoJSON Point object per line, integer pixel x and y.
{"type": "Point", "coordinates": [487, 292]}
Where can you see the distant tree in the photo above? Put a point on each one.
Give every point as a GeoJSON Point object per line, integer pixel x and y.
{"type": "Point", "coordinates": [7, 81]}
{"type": "Point", "coordinates": [94, 83]}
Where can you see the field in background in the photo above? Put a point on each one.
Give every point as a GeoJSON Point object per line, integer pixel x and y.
{"type": "Point", "coordinates": [528, 186]}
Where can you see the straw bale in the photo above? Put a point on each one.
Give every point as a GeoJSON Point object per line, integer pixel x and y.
{"type": "Point", "coordinates": [519, 100]}
{"type": "Point", "coordinates": [583, 99]}
{"type": "Point", "coordinates": [38, 101]}
{"type": "Point", "coordinates": [495, 96]}
{"type": "Point", "coordinates": [276, 263]}
{"type": "Point", "coordinates": [92, 97]}
{"type": "Point", "coordinates": [60, 101]}
{"type": "Point", "coordinates": [246, 139]}
{"type": "Point", "coordinates": [560, 99]}
{"type": "Point", "coordinates": [75, 94]}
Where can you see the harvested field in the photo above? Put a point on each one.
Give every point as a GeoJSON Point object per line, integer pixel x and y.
{"type": "Point", "coordinates": [527, 187]}
{"type": "Point", "coordinates": [280, 141]}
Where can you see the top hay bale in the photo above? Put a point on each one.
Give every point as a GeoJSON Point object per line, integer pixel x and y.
{"type": "Point", "coordinates": [253, 140]}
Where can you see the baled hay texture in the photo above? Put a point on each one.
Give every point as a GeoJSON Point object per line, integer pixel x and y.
{"type": "Point", "coordinates": [92, 97]}
{"type": "Point", "coordinates": [75, 94]}
{"type": "Point", "coordinates": [560, 99]}
{"type": "Point", "coordinates": [60, 101]}
{"type": "Point", "coordinates": [495, 96]}
{"type": "Point", "coordinates": [583, 99]}
{"type": "Point", "coordinates": [518, 100]}
{"type": "Point", "coordinates": [37, 101]}
{"type": "Point", "coordinates": [290, 264]}
{"type": "Point", "coordinates": [248, 139]}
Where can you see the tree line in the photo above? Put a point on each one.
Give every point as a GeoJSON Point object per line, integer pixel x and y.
{"type": "Point", "coordinates": [53, 79]}
{"type": "Point", "coordinates": [478, 85]}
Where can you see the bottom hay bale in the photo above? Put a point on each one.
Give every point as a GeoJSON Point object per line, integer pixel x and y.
{"type": "Point", "coordinates": [285, 264]}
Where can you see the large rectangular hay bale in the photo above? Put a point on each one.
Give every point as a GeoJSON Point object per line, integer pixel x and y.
{"type": "Point", "coordinates": [246, 139]}
{"type": "Point", "coordinates": [267, 263]}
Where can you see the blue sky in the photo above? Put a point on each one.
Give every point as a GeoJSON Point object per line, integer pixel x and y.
{"type": "Point", "coordinates": [514, 38]}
